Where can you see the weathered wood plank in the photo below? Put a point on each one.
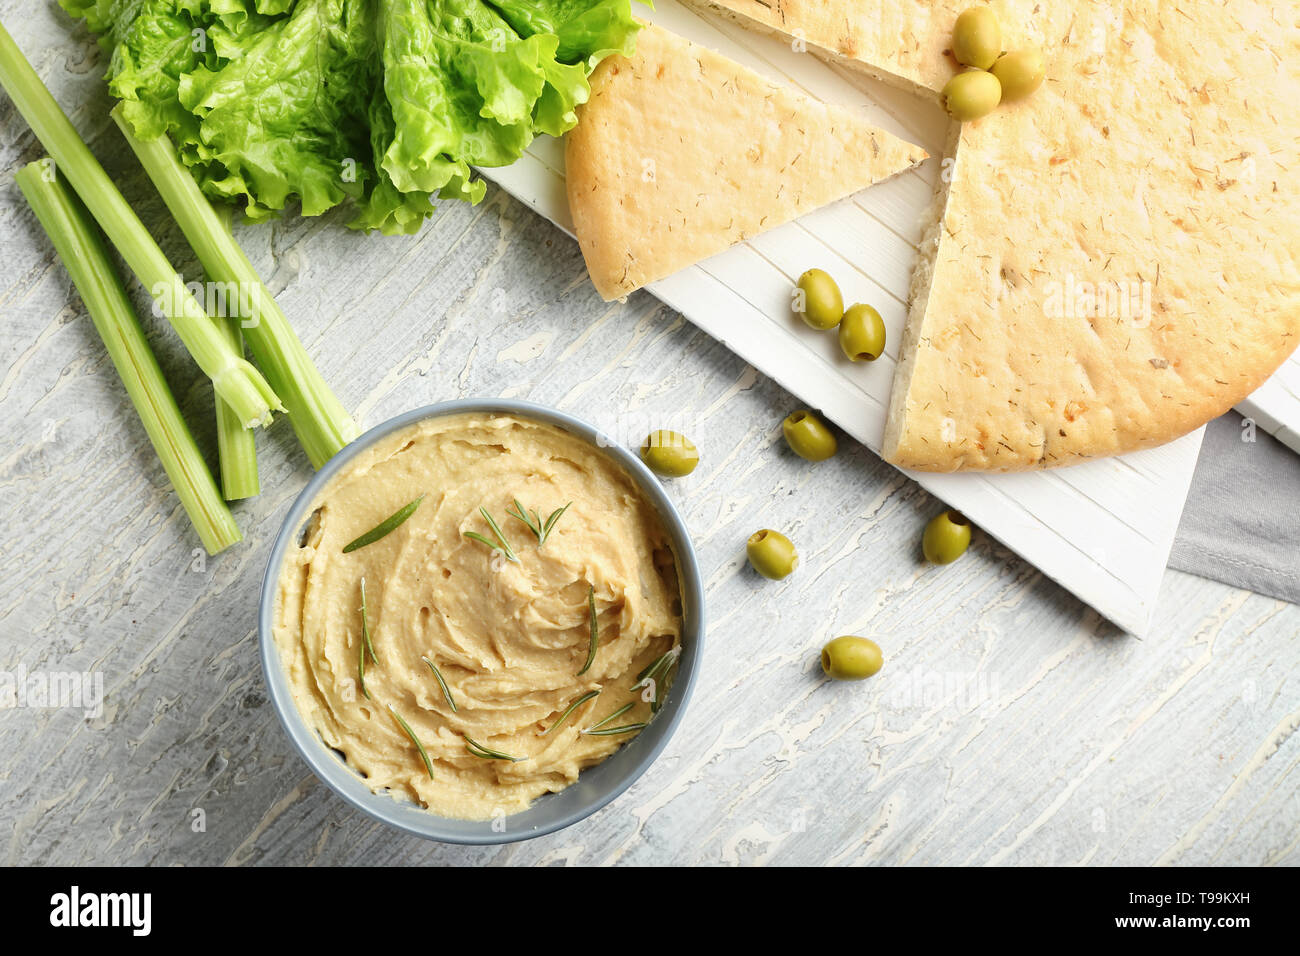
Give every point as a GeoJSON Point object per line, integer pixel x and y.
{"type": "Point", "coordinates": [1011, 724]}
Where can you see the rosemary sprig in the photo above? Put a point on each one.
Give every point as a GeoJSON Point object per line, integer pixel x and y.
{"type": "Point", "coordinates": [614, 716]}
{"type": "Point", "coordinates": [446, 692]}
{"type": "Point", "coordinates": [657, 674]}
{"type": "Point", "coordinates": [487, 753]}
{"type": "Point", "coordinates": [590, 695]}
{"type": "Point", "coordinates": [535, 524]}
{"type": "Point", "coordinates": [365, 645]}
{"type": "Point", "coordinates": [424, 754]}
{"type": "Point", "coordinates": [365, 624]}
{"type": "Point", "coordinates": [361, 670]}
{"type": "Point", "coordinates": [595, 629]}
{"type": "Point", "coordinates": [384, 527]}
{"type": "Point", "coordinates": [610, 731]}
{"type": "Point", "coordinates": [649, 673]}
{"type": "Point", "coordinates": [501, 544]}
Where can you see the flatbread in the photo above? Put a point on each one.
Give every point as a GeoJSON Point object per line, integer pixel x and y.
{"type": "Point", "coordinates": [680, 153]}
{"type": "Point", "coordinates": [1157, 165]}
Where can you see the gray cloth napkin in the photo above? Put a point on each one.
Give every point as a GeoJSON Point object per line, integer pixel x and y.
{"type": "Point", "coordinates": [1241, 524]}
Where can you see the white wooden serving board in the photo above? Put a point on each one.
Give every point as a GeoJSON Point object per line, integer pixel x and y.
{"type": "Point", "coordinates": [1275, 406]}
{"type": "Point", "coordinates": [1102, 529]}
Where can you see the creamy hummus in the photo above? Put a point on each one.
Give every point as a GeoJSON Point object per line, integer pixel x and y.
{"type": "Point", "coordinates": [509, 638]}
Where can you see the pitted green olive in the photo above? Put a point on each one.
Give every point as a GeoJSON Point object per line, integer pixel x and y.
{"type": "Point", "coordinates": [862, 334]}
{"type": "Point", "coordinates": [977, 38]}
{"type": "Point", "coordinates": [946, 538]}
{"type": "Point", "coordinates": [818, 300]}
{"type": "Point", "coordinates": [851, 658]}
{"type": "Point", "coordinates": [972, 95]}
{"type": "Point", "coordinates": [1020, 72]}
{"type": "Point", "coordinates": [808, 437]}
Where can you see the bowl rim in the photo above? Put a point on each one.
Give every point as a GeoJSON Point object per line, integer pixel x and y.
{"type": "Point", "coordinates": [408, 817]}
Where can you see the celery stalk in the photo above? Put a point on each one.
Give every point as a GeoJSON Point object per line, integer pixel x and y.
{"type": "Point", "coordinates": [234, 378]}
{"type": "Point", "coordinates": [317, 416]}
{"type": "Point", "coordinates": [236, 445]}
{"type": "Point", "coordinates": [79, 246]}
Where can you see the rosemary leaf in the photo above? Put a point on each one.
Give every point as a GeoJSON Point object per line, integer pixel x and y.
{"type": "Point", "coordinates": [365, 625]}
{"type": "Point", "coordinates": [364, 645]}
{"type": "Point", "coordinates": [446, 692]}
{"type": "Point", "coordinates": [614, 716]}
{"type": "Point", "coordinates": [590, 695]}
{"type": "Point", "coordinates": [611, 731]}
{"type": "Point", "coordinates": [657, 675]}
{"type": "Point", "coordinates": [487, 753]}
{"type": "Point", "coordinates": [496, 530]}
{"type": "Point", "coordinates": [475, 536]}
{"type": "Point", "coordinates": [384, 527]}
{"type": "Point", "coordinates": [424, 754]}
{"type": "Point", "coordinates": [653, 668]}
{"type": "Point", "coordinates": [550, 523]}
{"type": "Point", "coordinates": [361, 669]}
{"type": "Point", "coordinates": [501, 544]}
{"type": "Point", "coordinates": [595, 629]}
{"type": "Point", "coordinates": [533, 524]}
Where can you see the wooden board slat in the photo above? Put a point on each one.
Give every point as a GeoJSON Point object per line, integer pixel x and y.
{"type": "Point", "coordinates": [1275, 407]}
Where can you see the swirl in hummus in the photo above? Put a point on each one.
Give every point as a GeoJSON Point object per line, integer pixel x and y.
{"type": "Point", "coordinates": [508, 638]}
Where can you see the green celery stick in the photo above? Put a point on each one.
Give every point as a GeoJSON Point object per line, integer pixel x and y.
{"type": "Point", "coordinates": [80, 247]}
{"type": "Point", "coordinates": [322, 424]}
{"type": "Point", "coordinates": [234, 378]}
{"type": "Point", "coordinates": [236, 445]}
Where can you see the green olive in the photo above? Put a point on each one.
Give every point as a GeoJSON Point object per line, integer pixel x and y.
{"type": "Point", "coordinates": [771, 553]}
{"type": "Point", "coordinates": [977, 38]}
{"type": "Point", "coordinates": [818, 300]}
{"type": "Point", "coordinates": [1020, 73]}
{"type": "Point", "coordinates": [669, 454]}
{"type": "Point", "coordinates": [971, 95]}
{"type": "Point", "coordinates": [851, 658]}
{"type": "Point", "coordinates": [947, 537]}
{"type": "Point", "coordinates": [808, 437]}
{"type": "Point", "coordinates": [862, 334]}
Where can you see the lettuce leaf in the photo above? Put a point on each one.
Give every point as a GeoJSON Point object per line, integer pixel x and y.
{"type": "Point", "coordinates": [379, 103]}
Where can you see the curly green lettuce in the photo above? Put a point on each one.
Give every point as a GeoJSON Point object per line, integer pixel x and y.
{"type": "Point", "coordinates": [383, 104]}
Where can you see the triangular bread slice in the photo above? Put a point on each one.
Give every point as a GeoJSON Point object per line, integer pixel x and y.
{"type": "Point", "coordinates": [680, 153]}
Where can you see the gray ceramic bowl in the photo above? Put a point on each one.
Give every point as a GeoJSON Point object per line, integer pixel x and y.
{"type": "Point", "coordinates": [597, 785]}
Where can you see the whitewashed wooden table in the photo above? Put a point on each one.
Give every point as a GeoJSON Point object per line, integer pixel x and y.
{"type": "Point", "coordinates": [1010, 724]}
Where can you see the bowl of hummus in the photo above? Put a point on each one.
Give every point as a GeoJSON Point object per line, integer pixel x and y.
{"type": "Point", "coordinates": [481, 621]}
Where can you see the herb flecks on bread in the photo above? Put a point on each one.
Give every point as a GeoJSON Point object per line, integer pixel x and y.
{"type": "Point", "coordinates": [1116, 259]}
